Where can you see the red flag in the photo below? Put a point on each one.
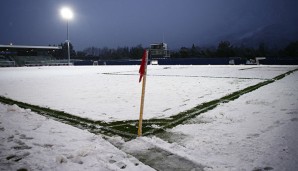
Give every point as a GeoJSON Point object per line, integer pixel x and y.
{"type": "Point", "coordinates": [142, 66]}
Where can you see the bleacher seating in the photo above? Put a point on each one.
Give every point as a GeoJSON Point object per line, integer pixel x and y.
{"type": "Point", "coordinates": [39, 61]}
{"type": "Point", "coordinates": [6, 62]}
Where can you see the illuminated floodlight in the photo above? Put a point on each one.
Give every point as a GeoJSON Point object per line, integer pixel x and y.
{"type": "Point", "coordinates": [66, 13]}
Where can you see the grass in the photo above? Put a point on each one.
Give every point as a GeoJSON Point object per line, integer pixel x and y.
{"type": "Point", "coordinates": [128, 129]}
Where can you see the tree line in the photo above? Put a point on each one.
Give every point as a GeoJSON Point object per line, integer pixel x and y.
{"type": "Point", "coordinates": [94, 53]}
{"type": "Point", "coordinates": [223, 49]}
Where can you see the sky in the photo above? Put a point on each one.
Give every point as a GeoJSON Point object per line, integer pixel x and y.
{"type": "Point", "coordinates": [114, 23]}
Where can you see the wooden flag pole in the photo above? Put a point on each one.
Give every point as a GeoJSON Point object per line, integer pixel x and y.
{"type": "Point", "coordinates": [143, 97]}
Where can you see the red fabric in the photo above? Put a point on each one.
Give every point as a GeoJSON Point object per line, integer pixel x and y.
{"type": "Point", "coordinates": [142, 66]}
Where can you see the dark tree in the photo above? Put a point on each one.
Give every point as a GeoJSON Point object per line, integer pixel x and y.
{"type": "Point", "coordinates": [291, 50]}
{"type": "Point", "coordinates": [225, 49]}
{"type": "Point", "coordinates": [262, 50]}
{"type": "Point", "coordinates": [193, 51]}
{"type": "Point", "coordinates": [184, 52]}
{"type": "Point", "coordinates": [63, 53]}
{"type": "Point", "coordinates": [136, 52]}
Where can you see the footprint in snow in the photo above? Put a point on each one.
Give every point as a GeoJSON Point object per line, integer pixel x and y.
{"type": "Point", "coordinates": [16, 158]}
{"type": "Point", "coordinates": [112, 161]}
{"type": "Point", "coordinates": [262, 168]}
{"type": "Point", "coordinates": [20, 145]}
{"type": "Point", "coordinates": [77, 160]}
{"type": "Point", "coordinates": [292, 113]}
{"type": "Point", "coordinates": [166, 109]}
{"type": "Point", "coordinates": [36, 127]}
{"type": "Point", "coordinates": [121, 165]}
{"type": "Point", "coordinates": [44, 145]}
{"type": "Point", "coordinates": [10, 138]}
{"type": "Point", "coordinates": [61, 159]}
{"type": "Point", "coordinates": [249, 136]}
{"type": "Point", "coordinates": [23, 136]}
{"type": "Point", "coordinates": [23, 169]}
{"type": "Point", "coordinates": [2, 129]}
{"type": "Point", "coordinates": [182, 105]}
{"type": "Point", "coordinates": [186, 100]}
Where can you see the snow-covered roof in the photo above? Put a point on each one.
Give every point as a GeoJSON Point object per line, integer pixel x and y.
{"type": "Point", "coordinates": [30, 47]}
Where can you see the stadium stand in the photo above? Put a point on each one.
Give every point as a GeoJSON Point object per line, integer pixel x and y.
{"type": "Point", "coordinates": [6, 61]}
{"type": "Point", "coordinates": [19, 55]}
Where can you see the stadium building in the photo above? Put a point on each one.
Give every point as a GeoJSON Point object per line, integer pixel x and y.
{"type": "Point", "coordinates": [159, 51]}
{"type": "Point", "coordinates": [22, 55]}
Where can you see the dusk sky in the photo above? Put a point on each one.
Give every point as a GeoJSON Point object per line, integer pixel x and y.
{"type": "Point", "coordinates": [113, 23]}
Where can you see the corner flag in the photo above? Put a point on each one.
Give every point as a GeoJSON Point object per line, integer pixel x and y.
{"type": "Point", "coordinates": [143, 65]}
{"type": "Point", "coordinates": [143, 73]}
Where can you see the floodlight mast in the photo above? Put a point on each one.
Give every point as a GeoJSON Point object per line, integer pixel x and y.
{"type": "Point", "coordinates": [67, 14]}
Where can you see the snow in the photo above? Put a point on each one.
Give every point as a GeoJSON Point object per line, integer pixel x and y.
{"type": "Point", "coordinates": [35, 142]}
{"type": "Point", "coordinates": [257, 131]}
{"type": "Point", "coordinates": [88, 92]}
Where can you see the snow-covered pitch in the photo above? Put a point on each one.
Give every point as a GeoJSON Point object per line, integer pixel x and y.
{"type": "Point", "coordinates": [255, 131]}
{"type": "Point", "coordinates": [112, 93]}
